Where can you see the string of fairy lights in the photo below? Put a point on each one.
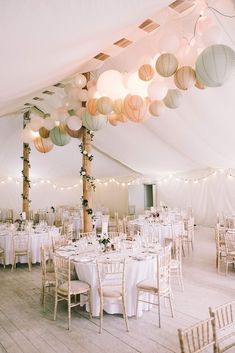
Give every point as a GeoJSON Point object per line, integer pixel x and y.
{"type": "Point", "coordinates": [229, 173]}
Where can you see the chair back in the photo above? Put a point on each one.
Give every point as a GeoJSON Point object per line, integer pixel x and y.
{"type": "Point", "coordinates": [199, 337]}
{"type": "Point", "coordinates": [58, 242]}
{"type": "Point", "coordinates": [224, 315]}
{"type": "Point", "coordinates": [105, 224]}
{"type": "Point", "coordinates": [229, 239]}
{"type": "Point", "coordinates": [68, 231]}
{"type": "Point", "coordinates": [111, 272]}
{"type": "Point", "coordinates": [46, 259]}
{"type": "Point", "coordinates": [62, 272]}
{"type": "Point", "coordinates": [177, 249]}
{"type": "Point", "coordinates": [164, 269]}
{"type": "Point", "coordinates": [20, 243]}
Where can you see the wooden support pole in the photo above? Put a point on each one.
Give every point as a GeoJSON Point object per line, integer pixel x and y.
{"type": "Point", "coordinates": [25, 172]}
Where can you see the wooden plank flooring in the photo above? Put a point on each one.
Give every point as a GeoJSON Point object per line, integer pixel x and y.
{"type": "Point", "coordinates": [24, 328]}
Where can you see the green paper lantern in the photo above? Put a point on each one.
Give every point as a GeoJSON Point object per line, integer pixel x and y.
{"type": "Point", "coordinates": [59, 136]}
{"type": "Point", "coordinates": [173, 98]}
{"type": "Point", "coordinates": [93, 123]}
{"type": "Point", "coordinates": [214, 65]}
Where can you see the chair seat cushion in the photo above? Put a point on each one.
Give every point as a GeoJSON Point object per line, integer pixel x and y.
{"type": "Point", "coordinates": [114, 291]}
{"type": "Point", "coordinates": [76, 287]}
{"type": "Point", "coordinates": [150, 285]}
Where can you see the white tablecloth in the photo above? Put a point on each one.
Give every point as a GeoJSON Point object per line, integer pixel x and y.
{"type": "Point", "coordinates": [36, 240]}
{"type": "Point", "coordinates": [136, 271]}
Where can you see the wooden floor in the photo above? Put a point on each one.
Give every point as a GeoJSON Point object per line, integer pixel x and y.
{"type": "Point", "coordinates": [25, 328]}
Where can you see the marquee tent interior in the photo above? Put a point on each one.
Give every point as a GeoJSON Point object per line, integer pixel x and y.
{"type": "Point", "coordinates": [188, 151]}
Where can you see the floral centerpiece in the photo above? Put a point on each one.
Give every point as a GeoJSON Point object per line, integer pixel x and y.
{"type": "Point", "coordinates": [104, 240]}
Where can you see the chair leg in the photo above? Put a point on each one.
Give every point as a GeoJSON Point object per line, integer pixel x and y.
{"type": "Point", "coordinates": [137, 304]}
{"type": "Point", "coordinates": [90, 306]}
{"type": "Point", "coordinates": [69, 313]}
{"type": "Point", "coordinates": [44, 299]}
{"type": "Point", "coordinates": [124, 313]}
{"type": "Point", "coordinates": [101, 314]}
{"type": "Point", "coordinates": [171, 304]}
{"type": "Point", "coordinates": [181, 280]}
{"type": "Point", "coordinates": [159, 311]}
{"type": "Point", "coordinates": [29, 262]}
{"type": "Point", "coordinates": [42, 293]}
{"type": "Point", "coordinates": [55, 307]}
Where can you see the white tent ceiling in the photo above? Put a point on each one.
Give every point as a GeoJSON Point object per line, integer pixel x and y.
{"type": "Point", "coordinates": [42, 43]}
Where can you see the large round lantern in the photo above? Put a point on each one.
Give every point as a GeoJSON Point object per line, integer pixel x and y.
{"type": "Point", "coordinates": [113, 119]}
{"type": "Point", "coordinates": [49, 123]}
{"type": "Point", "coordinates": [110, 83]}
{"type": "Point", "coordinates": [36, 122]}
{"type": "Point", "coordinates": [59, 136]}
{"type": "Point", "coordinates": [43, 145]}
{"type": "Point", "coordinates": [173, 98]}
{"type": "Point", "coordinates": [44, 133]}
{"type": "Point", "coordinates": [74, 123]}
{"type": "Point", "coordinates": [122, 118]}
{"type": "Point", "coordinates": [156, 108]}
{"type": "Point", "coordinates": [146, 72]}
{"type": "Point", "coordinates": [93, 123]}
{"type": "Point", "coordinates": [135, 108]}
{"type": "Point", "coordinates": [92, 106]}
{"type": "Point", "coordinates": [104, 105]}
{"type": "Point", "coordinates": [118, 106]}
{"type": "Point", "coordinates": [74, 133]}
{"type": "Point", "coordinates": [80, 80]}
{"type": "Point", "coordinates": [166, 64]}
{"type": "Point", "coordinates": [214, 65]}
{"type": "Point", "coordinates": [185, 77]}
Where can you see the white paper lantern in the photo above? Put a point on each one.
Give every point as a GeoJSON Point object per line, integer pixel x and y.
{"type": "Point", "coordinates": [136, 86]}
{"type": "Point", "coordinates": [173, 98]}
{"type": "Point", "coordinates": [73, 92]}
{"type": "Point", "coordinates": [49, 123]}
{"type": "Point", "coordinates": [156, 108]}
{"type": "Point", "coordinates": [71, 104]}
{"type": "Point", "coordinates": [27, 135]}
{"type": "Point", "coordinates": [36, 122]}
{"type": "Point", "coordinates": [82, 95]}
{"type": "Point", "coordinates": [80, 80]}
{"type": "Point", "coordinates": [68, 88]}
{"type": "Point", "coordinates": [110, 84]}
{"type": "Point", "coordinates": [93, 93]}
{"type": "Point", "coordinates": [215, 65]}
{"type": "Point", "coordinates": [74, 122]}
{"type": "Point", "coordinates": [157, 90]}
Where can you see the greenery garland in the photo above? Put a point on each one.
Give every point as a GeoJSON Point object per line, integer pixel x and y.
{"type": "Point", "coordinates": [26, 120]}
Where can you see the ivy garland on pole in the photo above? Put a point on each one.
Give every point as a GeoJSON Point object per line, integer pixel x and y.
{"type": "Point", "coordinates": [90, 179]}
{"type": "Point", "coordinates": [26, 180]}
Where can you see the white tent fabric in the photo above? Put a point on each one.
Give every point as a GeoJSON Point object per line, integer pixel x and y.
{"type": "Point", "coordinates": [43, 43]}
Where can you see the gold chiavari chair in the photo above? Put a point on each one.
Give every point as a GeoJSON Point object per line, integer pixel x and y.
{"type": "Point", "coordinates": [20, 247]}
{"type": "Point", "coordinates": [47, 272]}
{"type": "Point", "coordinates": [229, 239]}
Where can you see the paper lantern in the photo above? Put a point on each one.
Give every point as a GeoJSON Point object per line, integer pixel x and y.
{"type": "Point", "coordinates": [146, 72]}
{"type": "Point", "coordinates": [173, 98]}
{"type": "Point", "coordinates": [74, 133]}
{"type": "Point", "coordinates": [73, 92]}
{"type": "Point", "coordinates": [67, 88]}
{"type": "Point", "coordinates": [136, 86]}
{"type": "Point", "coordinates": [36, 122]}
{"type": "Point", "coordinates": [83, 95]}
{"type": "Point", "coordinates": [118, 106]}
{"type": "Point", "coordinates": [110, 84]}
{"type": "Point", "coordinates": [112, 119]}
{"type": "Point", "coordinates": [203, 24]}
{"type": "Point", "coordinates": [93, 93]}
{"type": "Point", "coordinates": [185, 77]}
{"type": "Point", "coordinates": [80, 80]}
{"type": "Point", "coordinates": [104, 105]}
{"type": "Point", "coordinates": [43, 145]}
{"type": "Point", "coordinates": [122, 118]}
{"type": "Point", "coordinates": [93, 123]}
{"type": "Point", "coordinates": [135, 108]}
{"type": "Point", "coordinates": [49, 123]}
{"type": "Point", "coordinates": [156, 108]}
{"type": "Point", "coordinates": [157, 90]}
{"type": "Point", "coordinates": [27, 135]}
{"type": "Point", "coordinates": [59, 136]}
{"type": "Point", "coordinates": [166, 65]}
{"type": "Point", "coordinates": [92, 106]}
{"type": "Point", "coordinates": [214, 65]}
{"type": "Point", "coordinates": [74, 123]}
{"type": "Point", "coordinates": [91, 83]}
{"type": "Point", "coordinates": [71, 104]}
{"type": "Point", "coordinates": [199, 85]}
{"type": "Point", "coordinates": [44, 133]}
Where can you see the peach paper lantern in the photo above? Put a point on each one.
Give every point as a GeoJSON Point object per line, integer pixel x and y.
{"type": "Point", "coordinates": [185, 77]}
{"type": "Point", "coordinates": [166, 64]}
{"type": "Point", "coordinates": [122, 118]}
{"type": "Point", "coordinates": [113, 120]}
{"type": "Point", "coordinates": [146, 72]}
{"type": "Point", "coordinates": [104, 105]}
{"type": "Point", "coordinates": [43, 145]}
{"type": "Point", "coordinates": [135, 108]}
{"type": "Point", "coordinates": [199, 85]}
{"type": "Point", "coordinates": [74, 133]}
{"type": "Point", "coordinates": [156, 108]}
{"type": "Point", "coordinates": [92, 106]}
{"type": "Point", "coordinates": [118, 106]}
